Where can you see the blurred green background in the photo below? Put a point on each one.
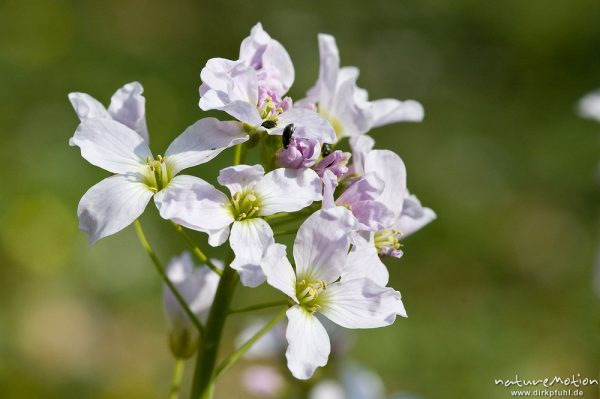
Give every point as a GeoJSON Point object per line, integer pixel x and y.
{"type": "Point", "coordinates": [501, 283]}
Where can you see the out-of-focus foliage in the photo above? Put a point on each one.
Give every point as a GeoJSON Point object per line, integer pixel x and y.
{"type": "Point", "coordinates": [501, 283]}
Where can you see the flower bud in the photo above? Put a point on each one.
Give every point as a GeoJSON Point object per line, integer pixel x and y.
{"type": "Point", "coordinates": [336, 162]}
{"type": "Point", "coordinates": [300, 153]}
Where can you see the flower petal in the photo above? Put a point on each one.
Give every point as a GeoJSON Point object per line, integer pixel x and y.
{"type": "Point", "coordinates": [354, 116]}
{"type": "Point", "coordinates": [194, 203]}
{"type": "Point", "coordinates": [112, 205]}
{"type": "Point", "coordinates": [288, 190]}
{"type": "Point", "coordinates": [388, 167]}
{"type": "Point", "coordinates": [201, 142]}
{"type": "Point", "coordinates": [308, 124]}
{"type": "Point", "coordinates": [269, 58]}
{"type": "Point", "coordinates": [249, 241]}
{"type": "Point", "coordinates": [218, 237]}
{"type": "Point", "coordinates": [363, 262]}
{"type": "Point", "coordinates": [322, 242]}
{"type": "Point", "coordinates": [389, 110]}
{"type": "Point", "coordinates": [128, 106]}
{"type": "Point", "coordinates": [86, 106]}
{"type": "Point", "coordinates": [111, 146]}
{"type": "Point", "coordinates": [324, 89]}
{"type": "Point", "coordinates": [361, 303]}
{"type": "Point", "coordinates": [361, 146]}
{"type": "Point", "coordinates": [237, 178]}
{"type": "Point", "coordinates": [308, 343]}
{"type": "Point", "coordinates": [279, 271]}
{"type": "Point", "coordinates": [414, 216]}
{"type": "Point", "coordinates": [589, 106]}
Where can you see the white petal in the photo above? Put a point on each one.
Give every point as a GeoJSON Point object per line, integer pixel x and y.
{"type": "Point", "coordinates": [308, 343]}
{"type": "Point", "coordinates": [111, 146]}
{"type": "Point", "coordinates": [329, 389]}
{"type": "Point", "coordinates": [267, 55]}
{"type": "Point", "coordinates": [237, 178]}
{"type": "Point", "coordinates": [355, 116]}
{"type": "Point", "coordinates": [112, 205]}
{"type": "Point", "coordinates": [307, 123]}
{"type": "Point", "coordinates": [330, 182]}
{"type": "Point", "coordinates": [363, 262]}
{"type": "Point", "coordinates": [361, 303]}
{"type": "Point", "coordinates": [288, 190]}
{"type": "Point", "coordinates": [249, 241]}
{"type": "Point", "coordinates": [414, 216]}
{"type": "Point", "coordinates": [194, 203]}
{"type": "Point", "coordinates": [230, 86]}
{"type": "Point", "coordinates": [388, 167]}
{"type": "Point", "coordinates": [279, 271]}
{"type": "Point", "coordinates": [86, 106]}
{"type": "Point", "coordinates": [388, 111]}
{"type": "Point", "coordinates": [322, 243]}
{"type": "Point", "coordinates": [201, 142]}
{"type": "Point", "coordinates": [329, 55]}
{"type": "Point", "coordinates": [128, 106]}
{"type": "Point", "coordinates": [218, 237]}
{"type": "Point", "coordinates": [361, 146]}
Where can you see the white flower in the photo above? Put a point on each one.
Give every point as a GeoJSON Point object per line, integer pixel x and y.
{"type": "Point", "coordinates": [127, 106]}
{"type": "Point", "coordinates": [320, 255]}
{"type": "Point", "coordinates": [356, 382]}
{"type": "Point", "coordinates": [197, 286]}
{"type": "Point", "coordinates": [263, 381]}
{"type": "Point", "coordinates": [202, 207]}
{"type": "Point", "coordinates": [345, 105]}
{"type": "Point", "coordinates": [252, 89]}
{"type": "Point", "coordinates": [589, 106]}
{"type": "Point", "coordinates": [117, 201]}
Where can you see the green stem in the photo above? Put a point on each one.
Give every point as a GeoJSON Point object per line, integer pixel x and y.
{"type": "Point", "coordinates": [177, 378]}
{"type": "Point", "coordinates": [285, 232]}
{"type": "Point", "coordinates": [202, 385]}
{"type": "Point", "coordinates": [159, 268]}
{"type": "Point", "coordinates": [239, 154]}
{"type": "Point", "coordinates": [196, 250]}
{"type": "Point", "coordinates": [259, 306]}
{"type": "Point", "coordinates": [238, 353]}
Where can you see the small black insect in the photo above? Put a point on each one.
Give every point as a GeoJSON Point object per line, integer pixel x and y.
{"type": "Point", "coordinates": [326, 149]}
{"type": "Point", "coordinates": [287, 135]}
{"type": "Point", "coordinates": [269, 124]}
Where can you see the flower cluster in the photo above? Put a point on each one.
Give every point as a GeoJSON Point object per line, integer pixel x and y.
{"type": "Point", "coordinates": [354, 206]}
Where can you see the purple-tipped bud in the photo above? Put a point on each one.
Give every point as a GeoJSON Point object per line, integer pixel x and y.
{"type": "Point", "coordinates": [300, 153]}
{"type": "Point", "coordinates": [336, 162]}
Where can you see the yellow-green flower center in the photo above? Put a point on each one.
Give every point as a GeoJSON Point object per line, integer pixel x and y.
{"type": "Point", "coordinates": [333, 121]}
{"type": "Point", "coordinates": [244, 205]}
{"type": "Point", "coordinates": [308, 294]}
{"type": "Point", "coordinates": [157, 173]}
{"type": "Point", "coordinates": [387, 241]}
{"type": "Point", "coordinates": [269, 111]}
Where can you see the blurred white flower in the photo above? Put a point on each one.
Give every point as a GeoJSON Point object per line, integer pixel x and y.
{"type": "Point", "coordinates": [197, 286]}
{"type": "Point", "coordinates": [345, 105]}
{"type": "Point", "coordinates": [320, 254]}
{"type": "Point", "coordinates": [589, 106]}
{"type": "Point", "coordinates": [263, 381]}
{"type": "Point", "coordinates": [254, 194]}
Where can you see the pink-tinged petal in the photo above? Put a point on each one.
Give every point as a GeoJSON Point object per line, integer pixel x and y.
{"type": "Point", "coordinates": [128, 106]}
{"type": "Point", "coordinates": [263, 381]}
{"type": "Point", "coordinates": [86, 106]}
{"type": "Point", "coordinates": [373, 215]}
{"type": "Point", "coordinates": [322, 243]}
{"type": "Point", "coordinates": [354, 117]}
{"type": "Point", "coordinates": [230, 86]}
{"type": "Point", "coordinates": [390, 169]}
{"type": "Point", "coordinates": [324, 89]}
{"type": "Point", "coordinates": [368, 187]}
{"type": "Point", "coordinates": [194, 203]}
{"type": "Point", "coordinates": [361, 147]}
{"type": "Point", "coordinates": [330, 182]}
{"type": "Point", "coordinates": [413, 217]}
{"type": "Point", "coordinates": [269, 58]}
{"type": "Point", "coordinates": [361, 303]}
{"type": "Point", "coordinates": [279, 271]}
{"type": "Point", "coordinates": [300, 153]}
{"type": "Point", "coordinates": [308, 124]}
{"type": "Point", "coordinates": [237, 178]}
{"type": "Point", "coordinates": [364, 262]}
{"type": "Point", "coordinates": [112, 205]}
{"type": "Point", "coordinates": [308, 343]}
{"type": "Point", "coordinates": [287, 190]}
{"type": "Point", "coordinates": [388, 111]}
{"type": "Point", "coordinates": [249, 241]}
{"type": "Point", "coordinates": [203, 141]}
{"type": "Point", "coordinates": [111, 146]}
